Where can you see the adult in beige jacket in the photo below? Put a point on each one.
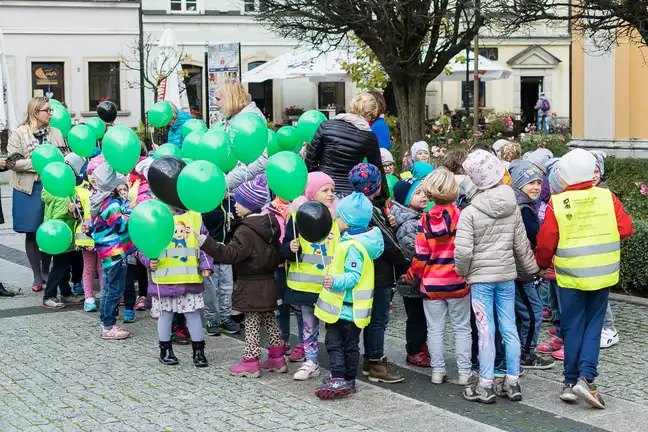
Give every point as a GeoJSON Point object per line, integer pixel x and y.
{"type": "Point", "coordinates": [28, 209]}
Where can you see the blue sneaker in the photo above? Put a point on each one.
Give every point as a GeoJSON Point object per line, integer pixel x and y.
{"type": "Point", "coordinates": [327, 381]}
{"type": "Point", "coordinates": [77, 288]}
{"type": "Point", "coordinates": [228, 326]}
{"type": "Point", "coordinates": [129, 316]}
{"type": "Point", "coordinates": [334, 388]}
{"type": "Point", "coordinates": [89, 305]}
{"type": "Point", "coordinates": [212, 328]}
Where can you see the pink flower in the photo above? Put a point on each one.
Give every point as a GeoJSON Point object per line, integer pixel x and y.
{"type": "Point", "coordinates": [562, 139]}
{"type": "Point", "coordinates": [427, 136]}
{"type": "Point", "coordinates": [449, 141]}
{"type": "Point", "coordinates": [644, 189]}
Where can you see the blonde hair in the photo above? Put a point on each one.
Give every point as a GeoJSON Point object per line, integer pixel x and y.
{"type": "Point", "coordinates": [34, 105]}
{"type": "Point", "coordinates": [234, 97]}
{"type": "Point", "coordinates": [364, 105]}
{"type": "Point", "coordinates": [510, 151]}
{"type": "Point", "coordinates": [441, 187]}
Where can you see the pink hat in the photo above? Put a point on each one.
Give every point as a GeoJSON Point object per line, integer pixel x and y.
{"type": "Point", "coordinates": [316, 181]}
{"type": "Point", "coordinates": [484, 169]}
{"type": "Point", "coordinates": [94, 163]}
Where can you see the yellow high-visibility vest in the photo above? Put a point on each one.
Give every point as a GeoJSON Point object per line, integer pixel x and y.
{"type": "Point", "coordinates": [308, 275]}
{"type": "Point", "coordinates": [179, 263]}
{"type": "Point", "coordinates": [81, 238]}
{"type": "Point", "coordinates": [330, 301]}
{"type": "Point", "coordinates": [589, 248]}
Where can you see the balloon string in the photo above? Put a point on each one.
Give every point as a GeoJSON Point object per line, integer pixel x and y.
{"type": "Point", "coordinates": [294, 216]}
{"type": "Point", "coordinates": [78, 212]}
{"type": "Point", "coordinates": [229, 208]}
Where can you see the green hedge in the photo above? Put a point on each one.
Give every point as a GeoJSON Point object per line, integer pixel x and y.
{"type": "Point", "coordinates": [624, 176]}
{"type": "Point", "coordinates": [634, 256]}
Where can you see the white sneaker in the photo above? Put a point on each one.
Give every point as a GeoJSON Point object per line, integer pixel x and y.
{"type": "Point", "coordinates": [309, 369]}
{"type": "Point", "coordinates": [609, 337]}
{"type": "Point", "coordinates": [463, 379]}
{"type": "Point", "coordinates": [438, 377]}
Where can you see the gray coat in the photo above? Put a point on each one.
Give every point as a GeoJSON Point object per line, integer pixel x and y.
{"type": "Point", "coordinates": [491, 238]}
{"type": "Point", "coordinates": [407, 222]}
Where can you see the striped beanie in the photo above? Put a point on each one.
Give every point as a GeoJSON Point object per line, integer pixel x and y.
{"type": "Point", "coordinates": [253, 195]}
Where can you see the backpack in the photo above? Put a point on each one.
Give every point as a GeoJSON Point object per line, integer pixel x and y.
{"type": "Point", "coordinates": [545, 105]}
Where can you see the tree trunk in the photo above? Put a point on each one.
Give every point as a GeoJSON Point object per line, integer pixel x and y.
{"type": "Point", "coordinates": [410, 99]}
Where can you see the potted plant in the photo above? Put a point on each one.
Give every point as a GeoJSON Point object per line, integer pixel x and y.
{"type": "Point", "coordinates": [293, 112]}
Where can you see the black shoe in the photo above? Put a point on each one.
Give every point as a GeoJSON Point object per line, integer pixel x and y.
{"type": "Point", "coordinates": [5, 293]}
{"type": "Point", "coordinates": [532, 361]}
{"type": "Point", "coordinates": [167, 356]}
{"type": "Point", "coordinates": [199, 358]}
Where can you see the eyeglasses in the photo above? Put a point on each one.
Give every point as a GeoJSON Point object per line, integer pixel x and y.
{"type": "Point", "coordinates": [49, 110]}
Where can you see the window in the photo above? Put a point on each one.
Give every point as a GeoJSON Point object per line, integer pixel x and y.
{"type": "Point", "coordinates": [252, 6]}
{"type": "Point", "coordinates": [330, 95]}
{"type": "Point", "coordinates": [180, 6]}
{"type": "Point", "coordinates": [193, 81]}
{"type": "Point", "coordinates": [469, 88]}
{"type": "Point", "coordinates": [489, 53]}
{"type": "Point", "coordinates": [48, 80]}
{"type": "Point", "coordinates": [103, 83]}
{"type": "Point", "coordinates": [261, 92]}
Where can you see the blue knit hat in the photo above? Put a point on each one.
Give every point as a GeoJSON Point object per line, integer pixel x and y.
{"type": "Point", "coordinates": [421, 169]}
{"type": "Point", "coordinates": [404, 190]}
{"type": "Point", "coordinates": [253, 195]}
{"type": "Point", "coordinates": [355, 210]}
{"type": "Point", "coordinates": [523, 172]}
{"type": "Point", "coordinates": [365, 178]}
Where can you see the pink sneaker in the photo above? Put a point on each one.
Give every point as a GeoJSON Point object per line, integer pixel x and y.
{"type": "Point", "coordinates": [115, 333]}
{"type": "Point", "coordinates": [559, 355]}
{"type": "Point", "coordinates": [553, 331]}
{"type": "Point", "coordinates": [298, 354]}
{"type": "Point", "coordinates": [247, 368]}
{"type": "Point", "coordinates": [553, 345]}
{"type": "Point", "coordinates": [286, 347]}
{"type": "Point", "coordinates": [140, 304]}
{"type": "Point", "coordinates": [276, 361]}
{"type": "Point", "coordinates": [547, 314]}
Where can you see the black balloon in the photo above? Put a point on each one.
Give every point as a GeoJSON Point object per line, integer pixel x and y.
{"type": "Point", "coordinates": [314, 221]}
{"type": "Point", "coordinates": [107, 111]}
{"type": "Point", "coordinates": [163, 179]}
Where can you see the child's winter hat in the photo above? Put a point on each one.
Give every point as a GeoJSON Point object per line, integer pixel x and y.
{"type": "Point", "coordinates": [355, 210]}
{"type": "Point", "coordinates": [94, 163]}
{"type": "Point", "coordinates": [577, 166]}
{"type": "Point", "coordinates": [253, 195]}
{"type": "Point", "coordinates": [555, 186]}
{"type": "Point", "coordinates": [417, 147]}
{"type": "Point", "coordinates": [600, 156]}
{"type": "Point", "coordinates": [316, 181]}
{"type": "Point", "coordinates": [404, 190]}
{"type": "Point", "coordinates": [523, 172]}
{"type": "Point", "coordinates": [386, 156]}
{"type": "Point", "coordinates": [497, 145]}
{"type": "Point", "coordinates": [484, 169]}
{"type": "Point", "coordinates": [421, 169]}
{"type": "Point", "coordinates": [365, 178]}
{"type": "Point", "coordinates": [539, 158]}
{"type": "Point", "coordinates": [75, 162]}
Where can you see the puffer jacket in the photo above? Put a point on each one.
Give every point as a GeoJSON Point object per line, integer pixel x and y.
{"type": "Point", "coordinates": [407, 222]}
{"type": "Point", "coordinates": [491, 238]}
{"type": "Point", "coordinates": [392, 263]}
{"type": "Point", "coordinates": [339, 145]}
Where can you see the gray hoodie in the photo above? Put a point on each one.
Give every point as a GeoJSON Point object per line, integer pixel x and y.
{"type": "Point", "coordinates": [491, 238]}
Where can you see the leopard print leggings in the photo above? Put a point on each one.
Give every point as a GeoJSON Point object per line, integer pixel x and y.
{"type": "Point", "coordinates": [253, 323]}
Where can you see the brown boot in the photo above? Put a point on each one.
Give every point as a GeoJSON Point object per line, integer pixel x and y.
{"type": "Point", "coordinates": [365, 365]}
{"type": "Point", "coordinates": [384, 371]}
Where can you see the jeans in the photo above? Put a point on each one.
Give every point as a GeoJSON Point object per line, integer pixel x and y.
{"type": "Point", "coordinates": [415, 326]}
{"type": "Point", "coordinates": [528, 310]}
{"type": "Point", "coordinates": [114, 281]}
{"type": "Point", "coordinates": [343, 347]}
{"type": "Point", "coordinates": [59, 276]}
{"type": "Point", "coordinates": [374, 333]}
{"type": "Point", "coordinates": [544, 291]}
{"type": "Point", "coordinates": [435, 314]}
{"type": "Point", "coordinates": [608, 321]}
{"type": "Point", "coordinates": [582, 322]}
{"type": "Point", "coordinates": [543, 119]}
{"type": "Point", "coordinates": [218, 294]}
{"type": "Point", "coordinates": [501, 296]}
{"type": "Point", "coordinates": [500, 353]}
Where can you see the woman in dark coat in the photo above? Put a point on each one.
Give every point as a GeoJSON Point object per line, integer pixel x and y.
{"type": "Point", "coordinates": [3, 167]}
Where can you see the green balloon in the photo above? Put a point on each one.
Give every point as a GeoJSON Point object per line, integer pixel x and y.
{"type": "Point", "coordinates": [45, 154]}
{"type": "Point", "coordinates": [215, 148]}
{"type": "Point", "coordinates": [429, 206]}
{"type": "Point", "coordinates": [248, 137]}
{"type": "Point", "coordinates": [288, 138]}
{"type": "Point", "coordinates": [82, 140]}
{"type": "Point", "coordinates": [151, 227]}
{"type": "Point", "coordinates": [187, 160]}
{"type": "Point", "coordinates": [54, 237]}
{"type": "Point", "coordinates": [160, 114]}
{"type": "Point", "coordinates": [201, 186]}
{"type": "Point", "coordinates": [287, 175]}
{"type": "Point", "coordinates": [273, 145]}
{"type": "Point", "coordinates": [391, 181]}
{"type": "Point", "coordinates": [58, 179]}
{"type": "Point", "coordinates": [97, 126]}
{"type": "Point", "coordinates": [191, 144]}
{"type": "Point", "coordinates": [193, 125]}
{"type": "Point", "coordinates": [167, 150]}
{"type": "Point", "coordinates": [53, 102]}
{"type": "Point", "coordinates": [308, 123]}
{"type": "Point", "coordinates": [220, 126]}
{"type": "Point", "coordinates": [121, 148]}
{"type": "Point", "coordinates": [61, 119]}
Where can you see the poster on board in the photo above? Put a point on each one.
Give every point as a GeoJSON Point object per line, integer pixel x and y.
{"type": "Point", "coordinates": [223, 63]}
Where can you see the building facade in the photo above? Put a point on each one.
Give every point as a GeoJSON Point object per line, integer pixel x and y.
{"type": "Point", "coordinates": [70, 50]}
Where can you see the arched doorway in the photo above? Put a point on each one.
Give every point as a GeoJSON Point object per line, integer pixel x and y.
{"type": "Point", "coordinates": [193, 79]}
{"type": "Point", "coordinates": [261, 92]}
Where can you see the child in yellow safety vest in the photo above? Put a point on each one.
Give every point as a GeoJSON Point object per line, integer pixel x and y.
{"type": "Point", "coordinates": [346, 300]}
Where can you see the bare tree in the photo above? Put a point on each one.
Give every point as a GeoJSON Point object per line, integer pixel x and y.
{"type": "Point", "coordinates": [156, 67]}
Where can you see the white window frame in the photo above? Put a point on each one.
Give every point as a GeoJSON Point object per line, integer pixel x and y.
{"type": "Point", "coordinates": [200, 7]}
{"type": "Point", "coordinates": [256, 7]}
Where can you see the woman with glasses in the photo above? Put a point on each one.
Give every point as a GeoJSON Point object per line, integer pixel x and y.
{"type": "Point", "coordinates": [28, 208]}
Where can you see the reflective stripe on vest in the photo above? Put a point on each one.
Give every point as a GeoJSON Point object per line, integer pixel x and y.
{"type": "Point", "coordinates": [308, 274]}
{"type": "Point", "coordinates": [588, 253]}
{"type": "Point", "coordinates": [179, 263]}
{"type": "Point", "coordinates": [330, 301]}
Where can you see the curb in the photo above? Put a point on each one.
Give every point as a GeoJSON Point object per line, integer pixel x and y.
{"type": "Point", "coordinates": [639, 301]}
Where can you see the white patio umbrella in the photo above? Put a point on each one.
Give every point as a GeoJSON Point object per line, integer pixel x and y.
{"type": "Point", "coordinates": [172, 89]}
{"type": "Point", "coordinates": [489, 70]}
{"type": "Point", "coordinates": [301, 63]}
{"type": "Point", "coordinates": [7, 110]}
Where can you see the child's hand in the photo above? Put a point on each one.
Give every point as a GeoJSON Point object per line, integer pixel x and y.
{"type": "Point", "coordinates": [294, 246]}
{"type": "Point", "coordinates": [541, 273]}
{"type": "Point", "coordinates": [72, 207]}
{"type": "Point", "coordinates": [85, 229]}
{"type": "Point", "coordinates": [207, 273]}
{"type": "Point", "coordinates": [154, 264]}
{"type": "Point", "coordinates": [328, 282]}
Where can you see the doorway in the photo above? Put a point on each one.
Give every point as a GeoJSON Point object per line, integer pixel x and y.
{"type": "Point", "coordinates": [193, 79]}
{"type": "Point", "coordinates": [261, 93]}
{"type": "Point", "coordinates": [530, 89]}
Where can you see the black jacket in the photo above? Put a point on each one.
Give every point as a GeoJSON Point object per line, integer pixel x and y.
{"type": "Point", "coordinates": [337, 147]}
{"type": "Point", "coordinates": [215, 221]}
{"type": "Point", "coordinates": [392, 263]}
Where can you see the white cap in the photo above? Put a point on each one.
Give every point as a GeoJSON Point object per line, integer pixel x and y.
{"type": "Point", "coordinates": [497, 145]}
{"type": "Point", "coordinates": [577, 166]}
{"type": "Point", "coordinates": [386, 156]}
